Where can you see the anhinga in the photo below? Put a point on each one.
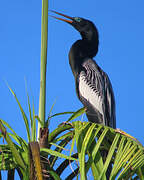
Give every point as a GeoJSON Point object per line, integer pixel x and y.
{"type": "Point", "coordinates": [93, 86]}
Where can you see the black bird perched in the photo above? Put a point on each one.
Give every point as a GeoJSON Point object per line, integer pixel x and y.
{"type": "Point", "coordinates": [93, 86]}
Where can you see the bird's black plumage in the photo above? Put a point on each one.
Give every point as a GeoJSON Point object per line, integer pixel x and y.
{"type": "Point", "coordinates": [93, 86]}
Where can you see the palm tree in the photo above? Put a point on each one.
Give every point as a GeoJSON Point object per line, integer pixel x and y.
{"type": "Point", "coordinates": [73, 147]}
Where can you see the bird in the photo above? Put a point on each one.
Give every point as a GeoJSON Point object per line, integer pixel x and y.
{"type": "Point", "coordinates": [93, 86]}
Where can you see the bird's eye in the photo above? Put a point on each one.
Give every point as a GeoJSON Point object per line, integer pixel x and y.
{"type": "Point", "coordinates": [77, 19]}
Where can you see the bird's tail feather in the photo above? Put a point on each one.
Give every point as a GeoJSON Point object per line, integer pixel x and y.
{"type": "Point", "coordinates": [95, 117]}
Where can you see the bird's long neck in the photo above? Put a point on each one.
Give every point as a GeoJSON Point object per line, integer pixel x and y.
{"type": "Point", "coordinates": [82, 49]}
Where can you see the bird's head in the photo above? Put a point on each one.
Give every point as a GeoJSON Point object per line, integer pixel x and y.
{"type": "Point", "coordinates": [86, 28]}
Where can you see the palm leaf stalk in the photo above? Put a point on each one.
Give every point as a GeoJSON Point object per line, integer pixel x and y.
{"type": "Point", "coordinates": [44, 38]}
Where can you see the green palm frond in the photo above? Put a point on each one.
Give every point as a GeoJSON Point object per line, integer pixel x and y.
{"type": "Point", "coordinates": [84, 141]}
{"type": "Point", "coordinates": [124, 153]}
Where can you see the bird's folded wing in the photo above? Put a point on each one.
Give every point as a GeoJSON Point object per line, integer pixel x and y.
{"type": "Point", "coordinates": [95, 87]}
{"type": "Point", "coordinates": [91, 86]}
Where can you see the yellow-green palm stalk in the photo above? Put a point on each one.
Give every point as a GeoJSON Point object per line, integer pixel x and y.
{"type": "Point", "coordinates": [44, 37]}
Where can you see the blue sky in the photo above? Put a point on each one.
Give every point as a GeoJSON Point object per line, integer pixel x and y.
{"type": "Point", "coordinates": [121, 31]}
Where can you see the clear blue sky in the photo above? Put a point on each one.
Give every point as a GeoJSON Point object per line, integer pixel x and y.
{"type": "Point", "coordinates": [121, 30]}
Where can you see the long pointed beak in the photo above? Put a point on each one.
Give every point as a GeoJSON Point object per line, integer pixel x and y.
{"type": "Point", "coordinates": [68, 20]}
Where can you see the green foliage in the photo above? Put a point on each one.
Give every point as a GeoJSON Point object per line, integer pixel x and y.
{"type": "Point", "coordinates": [126, 155]}
{"type": "Point", "coordinates": [87, 141]}
{"type": "Point", "coordinates": [23, 114]}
